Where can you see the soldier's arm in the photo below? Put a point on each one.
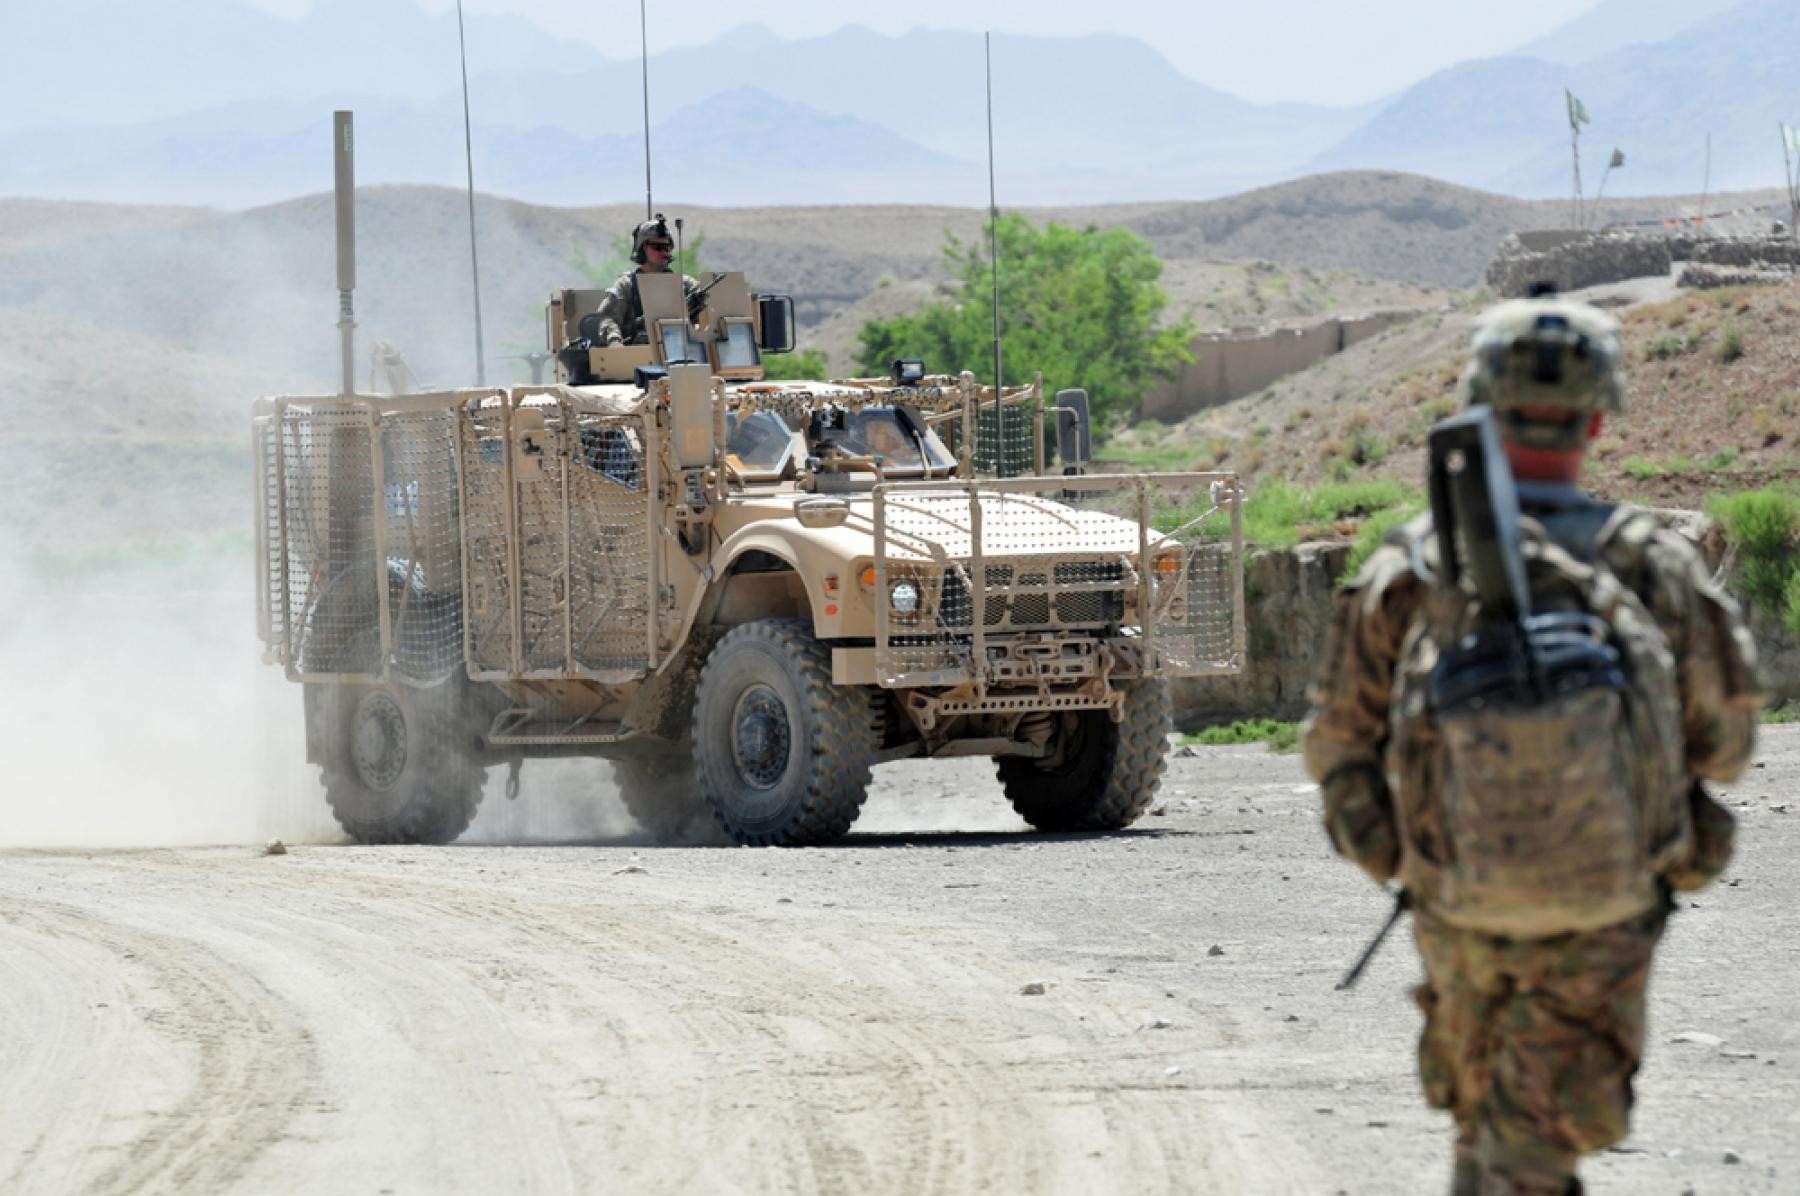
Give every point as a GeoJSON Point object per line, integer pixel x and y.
{"type": "Point", "coordinates": [1345, 735]}
{"type": "Point", "coordinates": [1715, 663]}
{"type": "Point", "coordinates": [1715, 660]}
{"type": "Point", "coordinates": [613, 312]}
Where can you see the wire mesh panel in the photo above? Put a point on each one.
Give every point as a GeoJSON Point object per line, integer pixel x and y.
{"type": "Point", "coordinates": [486, 541]}
{"type": "Point", "coordinates": [557, 536]}
{"type": "Point", "coordinates": [609, 544]}
{"type": "Point", "coordinates": [421, 541]}
{"type": "Point", "coordinates": [538, 468]}
{"type": "Point", "coordinates": [357, 520]}
{"type": "Point", "coordinates": [1006, 435]}
{"type": "Point", "coordinates": [333, 596]}
{"type": "Point", "coordinates": [1196, 574]}
{"type": "Point", "coordinates": [967, 570]}
{"type": "Point", "coordinates": [271, 555]}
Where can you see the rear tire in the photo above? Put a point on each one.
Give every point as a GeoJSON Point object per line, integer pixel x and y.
{"type": "Point", "coordinates": [1108, 772]}
{"type": "Point", "coordinates": [400, 763]}
{"type": "Point", "coordinates": [784, 755]}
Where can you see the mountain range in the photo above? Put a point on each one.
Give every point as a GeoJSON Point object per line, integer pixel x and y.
{"type": "Point", "coordinates": [209, 102]}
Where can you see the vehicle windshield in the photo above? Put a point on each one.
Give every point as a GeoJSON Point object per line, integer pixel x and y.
{"type": "Point", "coordinates": [896, 436]}
{"type": "Point", "coordinates": [759, 447]}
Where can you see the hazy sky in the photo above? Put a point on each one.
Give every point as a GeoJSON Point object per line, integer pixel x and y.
{"type": "Point", "coordinates": [1322, 51]}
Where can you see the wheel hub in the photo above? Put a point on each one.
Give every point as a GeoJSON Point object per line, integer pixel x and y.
{"type": "Point", "coordinates": [760, 737]}
{"type": "Point", "coordinates": [378, 740]}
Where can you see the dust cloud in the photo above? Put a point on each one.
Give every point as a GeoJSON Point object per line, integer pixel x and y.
{"type": "Point", "coordinates": [135, 709]}
{"type": "Point", "coordinates": [134, 715]}
{"type": "Point", "coordinates": [137, 712]}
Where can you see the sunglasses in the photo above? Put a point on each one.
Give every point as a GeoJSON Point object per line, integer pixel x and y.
{"type": "Point", "coordinates": [659, 246]}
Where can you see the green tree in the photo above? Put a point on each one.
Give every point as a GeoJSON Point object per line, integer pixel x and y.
{"type": "Point", "coordinates": [806, 365]}
{"type": "Point", "coordinates": [1080, 306]}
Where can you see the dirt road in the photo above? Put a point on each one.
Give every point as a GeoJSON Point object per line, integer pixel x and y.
{"type": "Point", "coordinates": [566, 1018]}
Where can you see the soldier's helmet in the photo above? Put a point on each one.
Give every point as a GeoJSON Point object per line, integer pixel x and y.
{"type": "Point", "coordinates": [1545, 353]}
{"type": "Point", "coordinates": [656, 229]}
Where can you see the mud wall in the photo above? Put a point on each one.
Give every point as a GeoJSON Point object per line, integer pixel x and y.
{"type": "Point", "coordinates": [1574, 260]}
{"type": "Point", "coordinates": [1230, 365]}
{"type": "Point", "coordinates": [1289, 599]}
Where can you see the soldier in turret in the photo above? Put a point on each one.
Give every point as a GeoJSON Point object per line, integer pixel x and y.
{"type": "Point", "coordinates": [622, 310]}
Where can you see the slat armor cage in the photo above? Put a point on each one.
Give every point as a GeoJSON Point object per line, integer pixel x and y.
{"type": "Point", "coordinates": [1159, 572]}
{"type": "Point", "coordinates": [391, 527]}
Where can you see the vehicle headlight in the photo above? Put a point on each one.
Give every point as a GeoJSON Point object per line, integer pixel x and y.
{"type": "Point", "coordinates": [904, 597]}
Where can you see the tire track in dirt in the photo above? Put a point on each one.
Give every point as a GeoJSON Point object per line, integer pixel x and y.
{"type": "Point", "coordinates": [246, 1060]}
{"type": "Point", "coordinates": [861, 1078]}
{"type": "Point", "coordinates": [549, 1028]}
{"type": "Point", "coordinates": [809, 1065]}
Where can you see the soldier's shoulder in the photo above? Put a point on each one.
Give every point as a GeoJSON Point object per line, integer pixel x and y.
{"type": "Point", "coordinates": [1640, 539]}
{"type": "Point", "coordinates": [1404, 557]}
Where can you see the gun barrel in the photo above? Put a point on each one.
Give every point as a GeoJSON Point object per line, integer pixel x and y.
{"type": "Point", "coordinates": [1402, 903]}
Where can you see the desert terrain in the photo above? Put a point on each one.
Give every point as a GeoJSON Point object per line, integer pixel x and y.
{"type": "Point", "coordinates": [944, 1003]}
{"type": "Point", "coordinates": [555, 1004]}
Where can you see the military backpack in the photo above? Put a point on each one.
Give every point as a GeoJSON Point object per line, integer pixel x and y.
{"type": "Point", "coordinates": [1536, 765]}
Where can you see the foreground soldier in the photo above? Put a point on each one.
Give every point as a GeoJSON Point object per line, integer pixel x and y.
{"type": "Point", "coordinates": [1532, 1036]}
{"type": "Point", "coordinates": [622, 311]}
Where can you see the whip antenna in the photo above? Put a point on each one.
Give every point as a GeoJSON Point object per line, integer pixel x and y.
{"type": "Point", "coordinates": [469, 159]}
{"type": "Point", "coordinates": [987, 43]}
{"type": "Point", "coordinates": [644, 58]}
{"type": "Point", "coordinates": [343, 143]}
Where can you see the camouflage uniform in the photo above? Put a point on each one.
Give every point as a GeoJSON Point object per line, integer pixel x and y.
{"type": "Point", "coordinates": [622, 310]}
{"type": "Point", "coordinates": [1531, 1044]}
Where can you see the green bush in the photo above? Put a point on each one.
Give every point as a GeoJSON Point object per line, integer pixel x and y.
{"type": "Point", "coordinates": [1280, 736]}
{"type": "Point", "coordinates": [1764, 527]}
{"type": "Point", "coordinates": [806, 366]}
{"type": "Point", "coordinates": [1667, 347]}
{"type": "Point", "coordinates": [1762, 522]}
{"type": "Point", "coordinates": [1791, 607]}
{"type": "Point", "coordinates": [1731, 345]}
{"type": "Point", "coordinates": [1280, 515]}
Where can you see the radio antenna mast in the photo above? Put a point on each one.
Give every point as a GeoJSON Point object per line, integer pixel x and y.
{"type": "Point", "coordinates": [987, 42]}
{"type": "Point", "coordinates": [343, 142]}
{"type": "Point", "coordinates": [644, 58]}
{"type": "Point", "coordinates": [469, 159]}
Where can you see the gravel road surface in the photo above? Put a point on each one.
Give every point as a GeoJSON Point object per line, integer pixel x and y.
{"type": "Point", "coordinates": [944, 1003]}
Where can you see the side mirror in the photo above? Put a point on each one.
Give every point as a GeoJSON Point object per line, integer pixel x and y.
{"type": "Point", "coordinates": [776, 315]}
{"type": "Point", "coordinates": [1074, 429]}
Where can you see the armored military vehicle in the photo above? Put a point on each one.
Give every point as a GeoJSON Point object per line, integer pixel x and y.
{"type": "Point", "coordinates": [744, 593]}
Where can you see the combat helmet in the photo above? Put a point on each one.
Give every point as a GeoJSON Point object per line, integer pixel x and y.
{"type": "Point", "coordinates": [1545, 352]}
{"type": "Point", "coordinates": [643, 234]}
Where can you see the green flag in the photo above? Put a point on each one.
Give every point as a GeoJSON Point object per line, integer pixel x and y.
{"type": "Point", "coordinates": [1618, 160]}
{"type": "Point", "coordinates": [1578, 113]}
{"type": "Point", "coordinates": [1793, 137]}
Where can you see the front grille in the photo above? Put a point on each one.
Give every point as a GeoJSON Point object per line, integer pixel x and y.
{"type": "Point", "coordinates": [1037, 595]}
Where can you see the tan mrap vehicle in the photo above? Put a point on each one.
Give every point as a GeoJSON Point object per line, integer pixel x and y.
{"type": "Point", "coordinates": [745, 594]}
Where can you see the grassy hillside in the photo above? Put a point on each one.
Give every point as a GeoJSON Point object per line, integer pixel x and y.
{"type": "Point", "coordinates": [1712, 405]}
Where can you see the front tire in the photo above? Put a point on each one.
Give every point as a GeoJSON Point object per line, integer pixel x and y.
{"type": "Point", "coordinates": [399, 762]}
{"type": "Point", "coordinates": [1106, 774]}
{"type": "Point", "coordinates": [784, 756]}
